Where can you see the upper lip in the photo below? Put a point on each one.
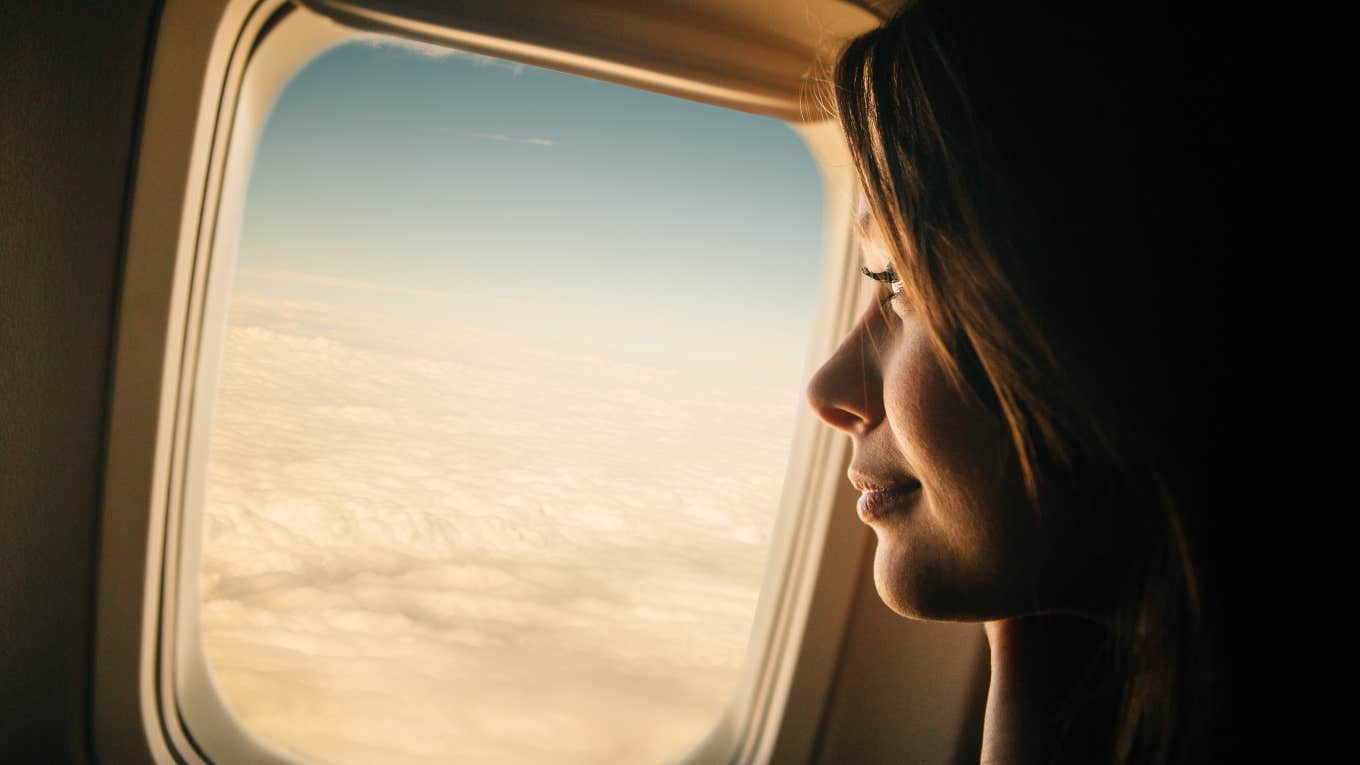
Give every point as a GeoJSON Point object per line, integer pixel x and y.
{"type": "Point", "coordinates": [866, 482]}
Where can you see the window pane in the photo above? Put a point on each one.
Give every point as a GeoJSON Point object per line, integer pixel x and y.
{"type": "Point", "coordinates": [507, 395]}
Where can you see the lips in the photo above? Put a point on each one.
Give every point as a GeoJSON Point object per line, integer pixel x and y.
{"type": "Point", "coordinates": [879, 498]}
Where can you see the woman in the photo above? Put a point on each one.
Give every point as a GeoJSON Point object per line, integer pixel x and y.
{"type": "Point", "coordinates": [1031, 399]}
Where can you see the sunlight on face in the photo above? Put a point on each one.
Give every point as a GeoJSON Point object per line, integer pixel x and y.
{"type": "Point", "coordinates": [958, 537]}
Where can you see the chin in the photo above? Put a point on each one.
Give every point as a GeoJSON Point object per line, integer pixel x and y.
{"type": "Point", "coordinates": [908, 586]}
{"type": "Point", "coordinates": [920, 586]}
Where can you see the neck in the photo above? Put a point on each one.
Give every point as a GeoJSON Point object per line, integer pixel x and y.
{"type": "Point", "coordinates": [1050, 699]}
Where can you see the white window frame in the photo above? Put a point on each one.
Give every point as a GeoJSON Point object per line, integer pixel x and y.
{"type": "Point", "coordinates": [218, 66]}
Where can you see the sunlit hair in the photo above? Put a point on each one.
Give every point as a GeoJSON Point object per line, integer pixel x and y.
{"type": "Point", "coordinates": [999, 159]}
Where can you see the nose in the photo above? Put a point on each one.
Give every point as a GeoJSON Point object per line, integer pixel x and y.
{"type": "Point", "coordinates": [847, 392]}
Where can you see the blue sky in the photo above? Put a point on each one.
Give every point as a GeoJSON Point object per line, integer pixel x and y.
{"type": "Point", "coordinates": [505, 194]}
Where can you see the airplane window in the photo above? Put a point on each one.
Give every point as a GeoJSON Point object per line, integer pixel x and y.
{"type": "Point", "coordinates": [507, 394]}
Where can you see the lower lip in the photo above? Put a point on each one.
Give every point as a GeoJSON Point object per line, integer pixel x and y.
{"type": "Point", "coordinates": [874, 505]}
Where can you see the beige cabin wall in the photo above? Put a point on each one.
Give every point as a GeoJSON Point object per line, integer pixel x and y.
{"type": "Point", "coordinates": [904, 691]}
{"type": "Point", "coordinates": [69, 95]}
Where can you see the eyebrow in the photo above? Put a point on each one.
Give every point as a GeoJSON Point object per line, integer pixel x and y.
{"type": "Point", "coordinates": [862, 220]}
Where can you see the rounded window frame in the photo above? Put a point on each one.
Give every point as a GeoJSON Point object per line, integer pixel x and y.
{"type": "Point", "coordinates": [169, 347]}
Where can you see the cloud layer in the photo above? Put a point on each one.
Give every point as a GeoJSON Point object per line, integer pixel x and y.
{"type": "Point", "coordinates": [452, 545]}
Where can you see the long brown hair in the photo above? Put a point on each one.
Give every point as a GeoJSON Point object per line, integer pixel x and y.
{"type": "Point", "coordinates": [999, 151]}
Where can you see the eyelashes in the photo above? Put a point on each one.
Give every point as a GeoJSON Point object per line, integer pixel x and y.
{"type": "Point", "coordinates": [889, 277]}
{"type": "Point", "coordinates": [886, 275]}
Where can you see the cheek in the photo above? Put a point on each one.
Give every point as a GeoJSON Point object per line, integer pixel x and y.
{"type": "Point", "coordinates": [961, 452]}
{"type": "Point", "coordinates": [973, 544]}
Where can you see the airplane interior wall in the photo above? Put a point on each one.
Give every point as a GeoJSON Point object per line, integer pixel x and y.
{"type": "Point", "coordinates": [897, 695]}
{"type": "Point", "coordinates": [69, 98]}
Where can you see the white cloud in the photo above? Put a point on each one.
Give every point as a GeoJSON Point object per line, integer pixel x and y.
{"type": "Point", "coordinates": [400, 542]}
{"type": "Point", "coordinates": [430, 50]}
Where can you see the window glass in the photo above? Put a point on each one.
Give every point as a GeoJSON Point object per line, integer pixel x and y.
{"type": "Point", "coordinates": [505, 408]}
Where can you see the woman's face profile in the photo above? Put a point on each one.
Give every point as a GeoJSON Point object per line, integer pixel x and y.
{"type": "Point", "coordinates": [940, 483]}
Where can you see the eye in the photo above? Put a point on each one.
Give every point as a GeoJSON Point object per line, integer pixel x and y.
{"type": "Point", "coordinates": [888, 276]}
